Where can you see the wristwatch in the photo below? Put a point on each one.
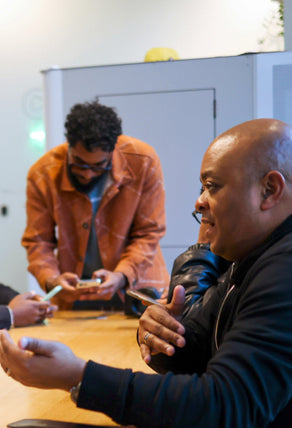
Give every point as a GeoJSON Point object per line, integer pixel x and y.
{"type": "Point", "coordinates": [74, 392]}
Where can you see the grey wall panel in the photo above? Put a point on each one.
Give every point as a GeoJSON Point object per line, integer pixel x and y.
{"type": "Point", "coordinates": [180, 126]}
{"type": "Point", "coordinates": [231, 76]}
{"type": "Point", "coordinates": [282, 92]}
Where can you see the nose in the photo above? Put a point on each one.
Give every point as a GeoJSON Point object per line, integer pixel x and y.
{"type": "Point", "coordinates": [88, 174]}
{"type": "Point", "coordinates": [201, 203]}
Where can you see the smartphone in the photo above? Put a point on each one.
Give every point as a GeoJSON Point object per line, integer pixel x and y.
{"type": "Point", "coordinates": [85, 283]}
{"type": "Point", "coordinates": [143, 297]}
{"type": "Point", "coordinates": [52, 293]}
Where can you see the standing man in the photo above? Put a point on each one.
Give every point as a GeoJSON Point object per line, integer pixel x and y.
{"type": "Point", "coordinates": [95, 209]}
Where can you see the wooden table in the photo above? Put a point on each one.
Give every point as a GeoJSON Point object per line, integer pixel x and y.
{"type": "Point", "coordinates": [108, 338]}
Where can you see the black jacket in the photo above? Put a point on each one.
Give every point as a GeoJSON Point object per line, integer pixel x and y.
{"type": "Point", "coordinates": [197, 269]}
{"type": "Point", "coordinates": [236, 368]}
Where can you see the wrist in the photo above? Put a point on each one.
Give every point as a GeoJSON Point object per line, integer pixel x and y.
{"type": "Point", "coordinates": [123, 282]}
{"type": "Point", "coordinates": [49, 284]}
{"type": "Point", "coordinates": [11, 317]}
{"type": "Point", "coordinates": [74, 392]}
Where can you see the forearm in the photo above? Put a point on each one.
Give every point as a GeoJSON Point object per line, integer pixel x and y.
{"type": "Point", "coordinates": [43, 263]}
{"type": "Point", "coordinates": [5, 317]}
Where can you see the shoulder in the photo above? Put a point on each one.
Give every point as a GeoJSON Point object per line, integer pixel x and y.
{"type": "Point", "coordinates": [133, 146]}
{"type": "Point", "coordinates": [51, 161]}
{"type": "Point", "coordinates": [267, 284]}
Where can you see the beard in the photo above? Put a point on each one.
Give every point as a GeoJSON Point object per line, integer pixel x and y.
{"type": "Point", "coordinates": [83, 188]}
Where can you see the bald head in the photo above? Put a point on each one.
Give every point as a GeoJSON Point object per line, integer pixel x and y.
{"type": "Point", "coordinates": [259, 145]}
{"type": "Point", "coordinates": [246, 177]}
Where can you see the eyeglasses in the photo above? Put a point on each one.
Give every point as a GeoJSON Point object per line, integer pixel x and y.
{"type": "Point", "coordinates": [84, 166]}
{"type": "Point", "coordinates": [197, 215]}
{"type": "Point", "coordinates": [91, 167]}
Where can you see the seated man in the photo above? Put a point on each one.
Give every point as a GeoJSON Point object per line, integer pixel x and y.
{"type": "Point", "coordinates": [18, 310]}
{"type": "Point", "coordinates": [232, 355]}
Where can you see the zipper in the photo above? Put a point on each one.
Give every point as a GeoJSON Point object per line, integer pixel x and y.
{"type": "Point", "coordinates": [221, 308]}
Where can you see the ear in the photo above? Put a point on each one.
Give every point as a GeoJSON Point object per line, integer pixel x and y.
{"type": "Point", "coordinates": [273, 185]}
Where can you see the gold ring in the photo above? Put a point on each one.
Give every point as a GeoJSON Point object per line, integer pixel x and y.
{"type": "Point", "coordinates": [147, 335]}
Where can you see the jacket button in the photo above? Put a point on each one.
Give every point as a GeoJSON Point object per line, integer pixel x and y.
{"type": "Point", "coordinates": [85, 226]}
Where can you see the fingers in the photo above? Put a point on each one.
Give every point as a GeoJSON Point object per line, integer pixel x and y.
{"type": "Point", "coordinates": [176, 305]}
{"type": "Point", "coordinates": [145, 353]}
{"type": "Point", "coordinates": [50, 311]}
{"type": "Point", "coordinates": [5, 338]}
{"type": "Point", "coordinates": [161, 331]}
{"type": "Point", "coordinates": [7, 347]}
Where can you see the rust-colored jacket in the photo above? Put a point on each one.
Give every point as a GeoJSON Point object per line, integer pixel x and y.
{"type": "Point", "coordinates": [129, 223]}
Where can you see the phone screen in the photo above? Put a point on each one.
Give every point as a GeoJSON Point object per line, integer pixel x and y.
{"type": "Point", "coordinates": [85, 283]}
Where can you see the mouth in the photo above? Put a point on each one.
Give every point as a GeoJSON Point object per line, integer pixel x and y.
{"type": "Point", "coordinates": [83, 180]}
{"type": "Point", "coordinates": [209, 227]}
{"type": "Point", "coordinates": [207, 221]}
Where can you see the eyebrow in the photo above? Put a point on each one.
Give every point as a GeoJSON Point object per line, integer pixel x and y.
{"type": "Point", "coordinates": [205, 175]}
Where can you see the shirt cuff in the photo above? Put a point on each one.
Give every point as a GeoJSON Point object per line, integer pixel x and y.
{"type": "Point", "coordinates": [11, 317]}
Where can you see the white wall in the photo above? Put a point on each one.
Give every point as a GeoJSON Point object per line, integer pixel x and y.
{"type": "Point", "coordinates": [37, 34]}
{"type": "Point", "coordinates": [288, 26]}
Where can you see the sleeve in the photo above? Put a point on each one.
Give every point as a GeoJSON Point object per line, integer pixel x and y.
{"type": "Point", "coordinates": [148, 225]}
{"type": "Point", "coordinates": [5, 318]}
{"type": "Point", "coordinates": [197, 269]}
{"type": "Point", "coordinates": [6, 294]}
{"type": "Point", "coordinates": [247, 383]}
{"type": "Point", "coordinates": [39, 236]}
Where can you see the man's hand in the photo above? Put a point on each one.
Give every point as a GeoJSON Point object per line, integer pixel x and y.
{"type": "Point", "coordinates": [28, 363]}
{"type": "Point", "coordinates": [111, 283]}
{"type": "Point", "coordinates": [68, 281]}
{"type": "Point", "coordinates": [29, 308]}
{"type": "Point", "coordinates": [160, 329]}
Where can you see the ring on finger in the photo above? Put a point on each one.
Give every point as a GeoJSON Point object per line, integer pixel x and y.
{"type": "Point", "coordinates": [146, 337]}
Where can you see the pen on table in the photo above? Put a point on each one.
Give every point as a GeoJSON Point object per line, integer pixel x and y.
{"type": "Point", "coordinates": [53, 292]}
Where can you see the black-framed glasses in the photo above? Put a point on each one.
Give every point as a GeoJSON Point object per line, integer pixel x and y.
{"type": "Point", "coordinates": [197, 215]}
{"type": "Point", "coordinates": [91, 167]}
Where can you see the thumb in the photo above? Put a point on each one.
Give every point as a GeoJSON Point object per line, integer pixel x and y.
{"type": "Point", "coordinates": [37, 346]}
{"type": "Point", "coordinates": [178, 300]}
{"type": "Point", "coordinates": [29, 294]}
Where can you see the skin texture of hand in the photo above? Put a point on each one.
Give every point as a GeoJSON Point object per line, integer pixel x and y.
{"type": "Point", "coordinates": [162, 323]}
{"type": "Point", "coordinates": [111, 282]}
{"type": "Point", "coordinates": [28, 308]}
{"type": "Point", "coordinates": [29, 361]}
{"type": "Point", "coordinates": [68, 280]}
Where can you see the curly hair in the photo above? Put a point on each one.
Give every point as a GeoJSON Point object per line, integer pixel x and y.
{"type": "Point", "coordinates": [93, 125]}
